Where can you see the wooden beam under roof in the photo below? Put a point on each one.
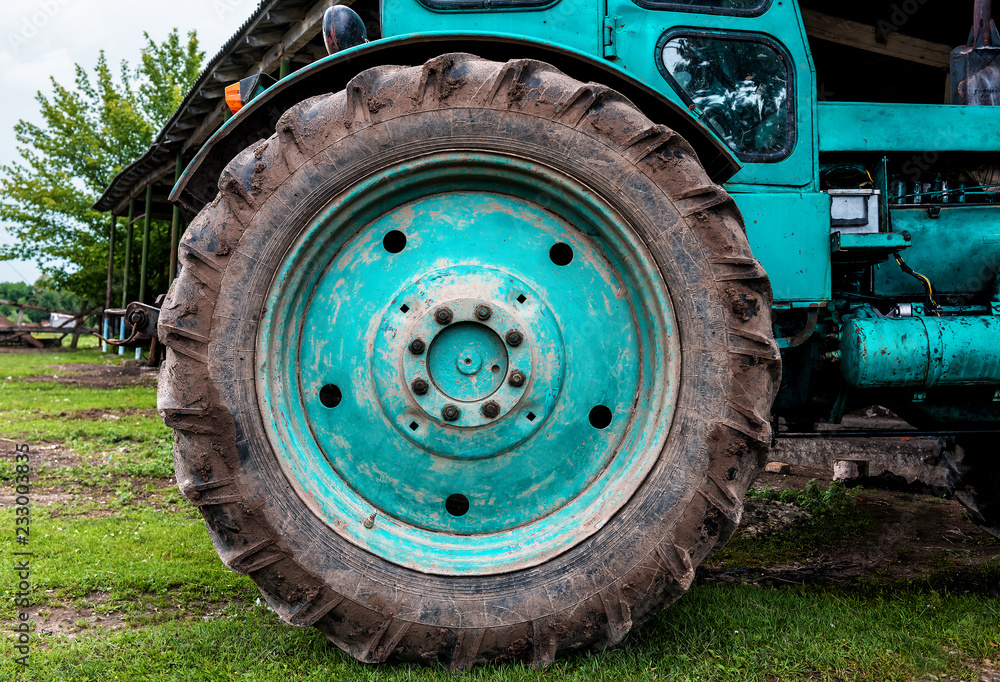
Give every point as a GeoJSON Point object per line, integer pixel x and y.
{"type": "Point", "coordinates": [294, 39]}
{"type": "Point", "coordinates": [866, 37]}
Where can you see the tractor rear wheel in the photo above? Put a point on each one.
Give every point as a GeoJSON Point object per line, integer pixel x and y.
{"type": "Point", "coordinates": [469, 362]}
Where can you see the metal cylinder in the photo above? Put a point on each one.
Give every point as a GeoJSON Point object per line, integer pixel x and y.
{"type": "Point", "coordinates": [921, 352]}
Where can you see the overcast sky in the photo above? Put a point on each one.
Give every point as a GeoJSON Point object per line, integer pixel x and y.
{"type": "Point", "coordinates": [40, 39]}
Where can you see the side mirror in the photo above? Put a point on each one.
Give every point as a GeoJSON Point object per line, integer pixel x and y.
{"type": "Point", "coordinates": [343, 29]}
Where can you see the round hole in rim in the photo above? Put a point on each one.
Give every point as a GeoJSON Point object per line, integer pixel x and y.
{"type": "Point", "coordinates": [457, 505]}
{"type": "Point", "coordinates": [561, 254]}
{"type": "Point", "coordinates": [394, 241]}
{"type": "Point", "coordinates": [600, 417]}
{"type": "Point", "coordinates": [330, 395]}
{"type": "Point", "coordinates": [495, 369]}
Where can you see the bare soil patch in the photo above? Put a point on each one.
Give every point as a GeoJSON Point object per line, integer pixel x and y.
{"type": "Point", "coordinates": [98, 414]}
{"type": "Point", "coordinates": [71, 621]}
{"type": "Point", "coordinates": [50, 455]}
{"type": "Point", "coordinates": [97, 376]}
{"type": "Point", "coordinates": [916, 537]}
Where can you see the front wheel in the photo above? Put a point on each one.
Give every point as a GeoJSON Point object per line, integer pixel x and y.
{"type": "Point", "coordinates": [469, 362]}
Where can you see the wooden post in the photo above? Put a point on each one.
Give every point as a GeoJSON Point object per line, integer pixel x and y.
{"type": "Point", "coordinates": [145, 244]}
{"type": "Point", "coordinates": [175, 229]}
{"type": "Point", "coordinates": [127, 264]}
{"type": "Point", "coordinates": [128, 251]}
{"type": "Point", "coordinates": [111, 278]}
{"type": "Point", "coordinates": [145, 253]}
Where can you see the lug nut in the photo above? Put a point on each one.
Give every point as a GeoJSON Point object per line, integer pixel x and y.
{"type": "Point", "coordinates": [417, 346]}
{"type": "Point", "coordinates": [491, 410]}
{"type": "Point", "coordinates": [137, 318]}
{"type": "Point", "coordinates": [483, 313]}
{"type": "Point", "coordinates": [516, 378]}
{"type": "Point", "coordinates": [420, 386]}
{"type": "Point", "coordinates": [450, 413]}
{"type": "Point", "coordinates": [514, 338]}
{"type": "Point", "coordinates": [443, 316]}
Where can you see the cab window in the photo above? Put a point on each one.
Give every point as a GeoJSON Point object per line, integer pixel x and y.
{"type": "Point", "coordinates": [737, 7]}
{"type": "Point", "coordinates": [742, 83]}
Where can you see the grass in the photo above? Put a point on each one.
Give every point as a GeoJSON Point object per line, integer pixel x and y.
{"type": "Point", "coordinates": [117, 540]}
{"type": "Point", "coordinates": [713, 633]}
{"type": "Point", "coordinates": [837, 521]}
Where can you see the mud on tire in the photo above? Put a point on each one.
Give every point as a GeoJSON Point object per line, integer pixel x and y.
{"type": "Point", "coordinates": [644, 557]}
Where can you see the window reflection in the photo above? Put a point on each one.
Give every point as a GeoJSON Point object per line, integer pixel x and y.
{"type": "Point", "coordinates": [742, 87]}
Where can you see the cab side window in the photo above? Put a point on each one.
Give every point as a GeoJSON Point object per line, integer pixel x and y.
{"type": "Point", "coordinates": [738, 7]}
{"type": "Point", "coordinates": [743, 85]}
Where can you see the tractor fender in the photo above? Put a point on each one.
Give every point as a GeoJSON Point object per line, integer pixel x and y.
{"type": "Point", "coordinates": [198, 185]}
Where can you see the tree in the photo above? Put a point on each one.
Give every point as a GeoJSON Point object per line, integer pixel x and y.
{"type": "Point", "coordinates": [88, 134]}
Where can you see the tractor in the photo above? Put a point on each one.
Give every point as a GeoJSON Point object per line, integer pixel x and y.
{"type": "Point", "coordinates": [486, 321]}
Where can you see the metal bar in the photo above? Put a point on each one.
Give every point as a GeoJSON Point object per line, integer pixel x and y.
{"type": "Point", "coordinates": [883, 434]}
{"type": "Point", "coordinates": [127, 265]}
{"type": "Point", "coordinates": [175, 228]}
{"type": "Point", "coordinates": [111, 277]}
{"type": "Point", "coordinates": [284, 68]}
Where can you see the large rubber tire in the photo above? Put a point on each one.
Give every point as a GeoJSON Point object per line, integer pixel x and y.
{"type": "Point", "coordinates": [973, 466]}
{"type": "Point", "coordinates": [644, 557]}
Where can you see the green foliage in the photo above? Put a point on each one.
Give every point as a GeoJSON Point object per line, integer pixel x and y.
{"type": "Point", "coordinates": [89, 132]}
{"type": "Point", "coordinates": [836, 501]}
{"type": "Point", "coordinates": [837, 522]}
{"type": "Point", "coordinates": [38, 294]}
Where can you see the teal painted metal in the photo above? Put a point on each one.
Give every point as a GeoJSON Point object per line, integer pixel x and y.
{"type": "Point", "coordinates": [880, 243]}
{"type": "Point", "coordinates": [959, 250]}
{"type": "Point", "coordinates": [885, 128]}
{"type": "Point", "coordinates": [380, 465]}
{"type": "Point", "coordinates": [921, 352]}
{"type": "Point", "coordinates": [794, 252]}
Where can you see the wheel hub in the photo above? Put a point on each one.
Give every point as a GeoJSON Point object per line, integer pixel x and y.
{"type": "Point", "coordinates": [468, 365]}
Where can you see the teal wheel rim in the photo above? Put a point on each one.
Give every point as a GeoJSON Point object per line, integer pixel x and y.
{"type": "Point", "coordinates": [504, 355]}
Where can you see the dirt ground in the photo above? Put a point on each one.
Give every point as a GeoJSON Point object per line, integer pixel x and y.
{"type": "Point", "coordinates": [916, 536]}
{"type": "Point", "coordinates": [97, 376]}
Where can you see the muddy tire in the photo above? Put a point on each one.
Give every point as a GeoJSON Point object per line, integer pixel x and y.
{"type": "Point", "coordinates": [661, 262]}
{"type": "Point", "coordinates": [973, 466]}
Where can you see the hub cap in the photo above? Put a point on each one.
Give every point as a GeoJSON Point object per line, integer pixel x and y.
{"type": "Point", "coordinates": [490, 375]}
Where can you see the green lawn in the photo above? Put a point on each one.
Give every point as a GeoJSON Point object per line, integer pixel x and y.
{"type": "Point", "coordinates": [113, 538]}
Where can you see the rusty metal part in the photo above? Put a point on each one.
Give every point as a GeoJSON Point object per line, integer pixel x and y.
{"type": "Point", "coordinates": [420, 386]}
{"type": "Point", "coordinates": [516, 378]}
{"type": "Point", "coordinates": [450, 412]}
{"type": "Point", "coordinates": [141, 318]}
{"type": "Point", "coordinates": [443, 316]}
{"type": "Point", "coordinates": [491, 410]}
{"type": "Point", "coordinates": [514, 338]}
{"type": "Point", "coordinates": [483, 313]}
{"type": "Point", "coordinates": [803, 335]}
{"type": "Point", "coordinates": [417, 346]}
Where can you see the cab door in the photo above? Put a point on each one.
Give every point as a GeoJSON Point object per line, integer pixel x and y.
{"type": "Point", "coordinates": [742, 66]}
